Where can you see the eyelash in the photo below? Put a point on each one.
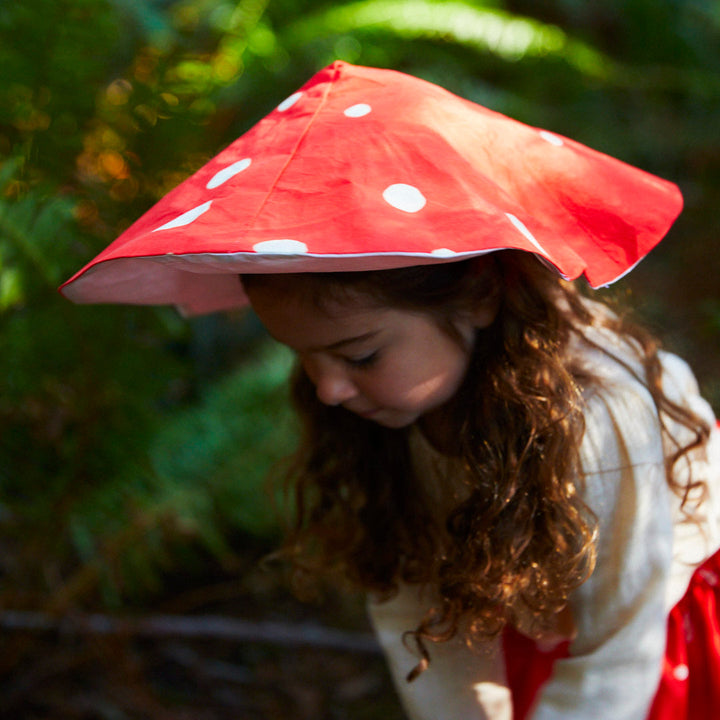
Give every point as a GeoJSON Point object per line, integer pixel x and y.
{"type": "Point", "coordinates": [363, 362]}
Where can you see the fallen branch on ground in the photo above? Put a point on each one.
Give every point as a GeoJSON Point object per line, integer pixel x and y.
{"type": "Point", "coordinates": [189, 626]}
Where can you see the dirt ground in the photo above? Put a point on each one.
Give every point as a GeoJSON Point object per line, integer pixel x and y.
{"type": "Point", "coordinates": [70, 673]}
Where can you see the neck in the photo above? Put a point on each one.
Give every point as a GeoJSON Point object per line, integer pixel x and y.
{"type": "Point", "coordinates": [440, 430]}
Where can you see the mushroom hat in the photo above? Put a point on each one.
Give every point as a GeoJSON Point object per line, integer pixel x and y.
{"type": "Point", "coordinates": [365, 169]}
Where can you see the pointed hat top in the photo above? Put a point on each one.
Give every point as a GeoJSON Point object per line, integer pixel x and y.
{"type": "Point", "coordinates": [365, 168]}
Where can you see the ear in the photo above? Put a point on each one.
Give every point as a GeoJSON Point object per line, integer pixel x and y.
{"type": "Point", "coordinates": [479, 318]}
{"type": "Point", "coordinates": [485, 313]}
{"type": "Point", "coordinates": [486, 291]}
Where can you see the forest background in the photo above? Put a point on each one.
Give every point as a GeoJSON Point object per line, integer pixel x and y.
{"type": "Point", "coordinates": [133, 442]}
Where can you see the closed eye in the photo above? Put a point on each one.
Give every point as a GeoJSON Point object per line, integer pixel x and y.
{"type": "Point", "coordinates": [364, 361]}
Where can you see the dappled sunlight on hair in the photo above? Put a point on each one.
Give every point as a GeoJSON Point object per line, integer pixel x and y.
{"type": "Point", "coordinates": [518, 538]}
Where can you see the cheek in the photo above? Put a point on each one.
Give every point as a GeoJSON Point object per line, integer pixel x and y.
{"type": "Point", "coordinates": [437, 385]}
{"type": "Point", "coordinates": [450, 373]}
{"type": "Point", "coordinates": [431, 380]}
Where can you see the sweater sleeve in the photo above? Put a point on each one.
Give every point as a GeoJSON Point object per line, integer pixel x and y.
{"type": "Point", "coordinates": [460, 684]}
{"type": "Point", "coordinates": [620, 613]}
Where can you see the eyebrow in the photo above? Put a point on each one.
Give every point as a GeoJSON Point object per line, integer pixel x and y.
{"type": "Point", "coordinates": [347, 341]}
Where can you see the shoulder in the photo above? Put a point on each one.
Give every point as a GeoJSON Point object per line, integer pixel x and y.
{"type": "Point", "coordinates": [619, 407]}
{"type": "Point", "coordinates": [624, 451]}
{"type": "Point", "coordinates": [621, 418]}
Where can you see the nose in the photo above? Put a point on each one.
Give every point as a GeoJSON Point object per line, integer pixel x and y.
{"type": "Point", "coordinates": [332, 385]}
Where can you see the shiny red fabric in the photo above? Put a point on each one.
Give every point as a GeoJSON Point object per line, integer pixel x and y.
{"type": "Point", "coordinates": [528, 668]}
{"type": "Point", "coordinates": [690, 684]}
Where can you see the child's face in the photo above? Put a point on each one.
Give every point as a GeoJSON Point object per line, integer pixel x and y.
{"type": "Point", "coordinates": [390, 366]}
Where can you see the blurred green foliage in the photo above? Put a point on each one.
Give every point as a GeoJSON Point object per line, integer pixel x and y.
{"type": "Point", "coordinates": [129, 436]}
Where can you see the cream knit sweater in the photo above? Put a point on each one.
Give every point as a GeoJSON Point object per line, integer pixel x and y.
{"type": "Point", "coordinates": [646, 556]}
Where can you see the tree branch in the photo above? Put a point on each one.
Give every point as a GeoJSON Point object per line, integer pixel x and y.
{"type": "Point", "coordinates": [188, 626]}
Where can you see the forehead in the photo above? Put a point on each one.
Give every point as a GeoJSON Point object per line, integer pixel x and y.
{"type": "Point", "coordinates": [321, 289]}
{"type": "Point", "coordinates": [326, 296]}
{"type": "Point", "coordinates": [301, 319]}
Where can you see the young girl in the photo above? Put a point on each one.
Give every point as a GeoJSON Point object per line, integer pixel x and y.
{"type": "Point", "coordinates": [522, 483]}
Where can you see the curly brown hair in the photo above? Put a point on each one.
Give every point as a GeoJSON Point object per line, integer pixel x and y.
{"type": "Point", "coordinates": [519, 539]}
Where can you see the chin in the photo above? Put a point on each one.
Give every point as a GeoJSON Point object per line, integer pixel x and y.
{"type": "Point", "coordinates": [394, 421]}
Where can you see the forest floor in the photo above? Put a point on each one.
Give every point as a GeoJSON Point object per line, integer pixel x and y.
{"type": "Point", "coordinates": [299, 661]}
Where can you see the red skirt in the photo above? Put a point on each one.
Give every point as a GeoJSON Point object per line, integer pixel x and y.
{"type": "Point", "coordinates": [690, 684]}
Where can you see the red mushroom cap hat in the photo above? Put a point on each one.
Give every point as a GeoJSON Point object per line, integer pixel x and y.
{"type": "Point", "coordinates": [365, 169]}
